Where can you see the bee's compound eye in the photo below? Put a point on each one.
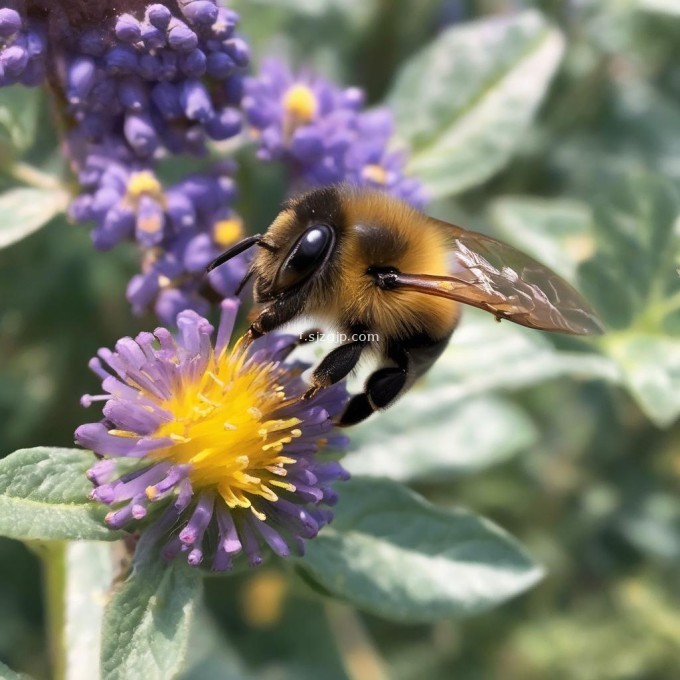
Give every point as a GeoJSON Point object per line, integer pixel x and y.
{"type": "Point", "coordinates": [310, 248]}
{"type": "Point", "coordinates": [306, 256]}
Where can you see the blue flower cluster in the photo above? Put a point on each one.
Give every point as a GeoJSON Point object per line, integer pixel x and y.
{"type": "Point", "coordinates": [134, 89]}
{"type": "Point", "coordinates": [139, 89]}
{"type": "Point", "coordinates": [323, 133]}
{"type": "Point", "coordinates": [22, 49]}
{"type": "Point", "coordinates": [160, 83]}
{"type": "Point", "coordinates": [166, 79]}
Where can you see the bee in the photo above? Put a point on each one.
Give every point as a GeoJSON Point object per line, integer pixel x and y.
{"type": "Point", "coordinates": [371, 265]}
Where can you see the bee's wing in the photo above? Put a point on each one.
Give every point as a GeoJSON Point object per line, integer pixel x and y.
{"type": "Point", "coordinates": [498, 278]}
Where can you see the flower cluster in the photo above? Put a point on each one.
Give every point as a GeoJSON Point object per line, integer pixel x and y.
{"type": "Point", "coordinates": [134, 89]}
{"type": "Point", "coordinates": [22, 49]}
{"type": "Point", "coordinates": [323, 133]}
{"type": "Point", "coordinates": [160, 82]}
{"type": "Point", "coordinates": [225, 455]}
{"type": "Point", "coordinates": [141, 88]}
{"type": "Point", "coordinates": [180, 229]}
{"type": "Point", "coordinates": [139, 82]}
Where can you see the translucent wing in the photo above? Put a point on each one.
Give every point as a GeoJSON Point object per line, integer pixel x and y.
{"type": "Point", "coordinates": [496, 277]}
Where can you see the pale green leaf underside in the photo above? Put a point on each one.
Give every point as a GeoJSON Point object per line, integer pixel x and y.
{"type": "Point", "coordinates": [24, 210]}
{"type": "Point", "coordinates": [147, 622]}
{"type": "Point", "coordinates": [43, 496]}
{"type": "Point", "coordinates": [8, 674]}
{"type": "Point", "coordinates": [391, 553]}
{"type": "Point", "coordinates": [463, 104]}
{"type": "Point", "coordinates": [670, 7]}
{"type": "Point", "coordinates": [651, 371]}
{"type": "Point", "coordinates": [427, 437]}
{"type": "Point", "coordinates": [485, 355]}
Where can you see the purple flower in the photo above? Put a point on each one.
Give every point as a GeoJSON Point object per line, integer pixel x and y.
{"type": "Point", "coordinates": [181, 229]}
{"type": "Point", "coordinates": [323, 134]}
{"type": "Point", "coordinates": [22, 49]}
{"type": "Point", "coordinates": [155, 69]}
{"type": "Point", "coordinates": [220, 453]}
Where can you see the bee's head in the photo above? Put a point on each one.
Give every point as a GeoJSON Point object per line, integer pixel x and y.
{"type": "Point", "coordinates": [297, 247]}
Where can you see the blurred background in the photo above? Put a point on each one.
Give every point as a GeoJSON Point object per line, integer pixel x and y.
{"type": "Point", "coordinates": [585, 463]}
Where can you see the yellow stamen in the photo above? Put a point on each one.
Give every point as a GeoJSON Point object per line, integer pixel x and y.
{"type": "Point", "coordinates": [144, 182]}
{"type": "Point", "coordinates": [123, 433]}
{"type": "Point", "coordinates": [226, 232]}
{"type": "Point", "coordinates": [300, 103]}
{"type": "Point", "coordinates": [374, 173]}
{"type": "Point", "coordinates": [260, 515]}
{"type": "Point", "coordinates": [178, 438]}
{"type": "Point", "coordinates": [283, 485]}
{"type": "Point", "coordinates": [221, 428]}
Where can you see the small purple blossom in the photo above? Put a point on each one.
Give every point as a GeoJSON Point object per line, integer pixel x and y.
{"type": "Point", "coordinates": [322, 132]}
{"type": "Point", "coordinates": [244, 474]}
{"type": "Point", "coordinates": [181, 229]}
{"type": "Point", "coordinates": [22, 49]}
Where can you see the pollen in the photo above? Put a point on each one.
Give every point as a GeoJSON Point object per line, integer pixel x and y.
{"type": "Point", "coordinates": [223, 425]}
{"type": "Point", "coordinates": [144, 182]}
{"type": "Point", "coordinates": [300, 103]}
{"type": "Point", "coordinates": [226, 232]}
{"type": "Point", "coordinates": [374, 173]}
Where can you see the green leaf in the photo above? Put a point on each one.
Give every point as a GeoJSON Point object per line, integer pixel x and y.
{"type": "Point", "coordinates": [391, 553]}
{"type": "Point", "coordinates": [429, 436]}
{"type": "Point", "coordinates": [558, 233]}
{"type": "Point", "coordinates": [24, 210]}
{"type": "Point", "coordinates": [19, 108]}
{"type": "Point", "coordinates": [633, 282]}
{"type": "Point", "coordinates": [147, 622]}
{"type": "Point", "coordinates": [88, 577]}
{"type": "Point", "coordinates": [464, 103]}
{"type": "Point", "coordinates": [43, 496]}
{"type": "Point", "coordinates": [631, 279]}
{"type": "Point", "coordinates": [8, 674]}
{"type": "Point", "coordinates": [668, 7]}
{"type": "Point", "coordinates": [651, 371]}
{"type": "Point", "coordinates": [637, 249]}
{"type": "Point", "coordinates": [484, 355]}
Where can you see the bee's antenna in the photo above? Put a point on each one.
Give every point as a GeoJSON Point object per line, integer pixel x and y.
{"type": "Point", "coordinates": [238, 248]}
{"type": "Point", "coordinates": [244, 280]}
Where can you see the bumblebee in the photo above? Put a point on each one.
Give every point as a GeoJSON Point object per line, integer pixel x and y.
{"type": "Point", "coordinates": [370, 265]}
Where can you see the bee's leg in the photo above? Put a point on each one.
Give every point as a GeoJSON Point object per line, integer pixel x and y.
{"type": "Point", "coordinates": [412, 357]}
{"type": "Point", "coordinates": [270, 318]}
{"type": "Point", "coordinates": [382, 388]}
{"type": "Point", "coordinates": [357, 410]}
{"type": "Point", "coordinates": [335, 366]}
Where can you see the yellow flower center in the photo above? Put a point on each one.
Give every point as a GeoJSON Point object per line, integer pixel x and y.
{"type": "Point", "coordinates": [300, 103]}
{"type": "Point", "coordinates": [374, 173]}
{"type": "Point", "coordinates": [226, 232]}
{"type": "Point", "coordinates": [144, 182]}
{"type": "Point", "coordinates": [221, 429]}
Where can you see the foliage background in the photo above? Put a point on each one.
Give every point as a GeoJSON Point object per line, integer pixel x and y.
{"type": "Point", "coordinates": [584, 472]}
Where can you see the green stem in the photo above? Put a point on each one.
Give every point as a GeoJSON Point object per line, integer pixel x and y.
{"type": "Point", "coordinates": [54, 575]}
{"type": "Point", "coordinates": [27, 174]}
{"type": "Point", "coordinates": [359, 656]}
